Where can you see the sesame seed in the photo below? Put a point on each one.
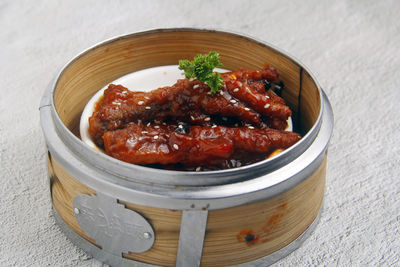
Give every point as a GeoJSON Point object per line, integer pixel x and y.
{"type": "Point", "coordinates": [236, 125]}
{"type": "Point", "coordinates": [116, 103]}
{"type": "Point", "coordinates": [176, 146]}
{"type": "Point", "coordinates": [148, 124]}
{"type": "Point", "coordinates": [156, 126]}
{"type": "Point", "coordinates": [191, 79]}
{"type": "Point", "coordinates": [233, 101]}
{"type": "Point", "coordinates": [140, 102]}
{"type": "Point", "coordinates": [164, 123]}
{"type": "Point", "coordinates": [250, 127]}
{"type": "Point", "coordinates": [192, 118]}
{"type": "Point", "coordinates": [180, 126]}
{"type": "Point", "coordinates": [198, 169]}
{"type": "Point", "coordinates": [155, 137]}
{"type": "Point", "coordinates": [146, 97]}
{"type": "Point", "coordinates": [267, 97]}
{"type": "Point", "coordinates": [221, 92]}
{"type": "Point", "coordinates": [246, 108]}
{"type": "Point", "coordinates": [214, 126]}
{"type": "Point", "coordinates": [147, 107]}
{"type": "Point", "coordinates": [207, 119]}
{"type": "Point", "coordinates": [145, 132]}
{"type": "Point", "coordinates": [267, 105]}
{"type": "Point", "coordinates": [277, 87]}
{"type": "Point", "coordinates": [236, 90]}
{"type": "Point", "coordinates": [196, 86]}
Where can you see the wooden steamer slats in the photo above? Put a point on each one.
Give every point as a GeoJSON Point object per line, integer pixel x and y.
{"type": "Point", "coordinates": [273, 222]}
{"type": "Point", "coordinates": [233, 235]}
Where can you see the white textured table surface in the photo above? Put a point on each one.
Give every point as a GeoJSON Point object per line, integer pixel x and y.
{"type": "Point", "coordinates": [352, 47]}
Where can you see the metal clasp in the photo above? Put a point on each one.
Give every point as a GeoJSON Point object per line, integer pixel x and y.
{"type": "Point", "coordinates": [117, 229]}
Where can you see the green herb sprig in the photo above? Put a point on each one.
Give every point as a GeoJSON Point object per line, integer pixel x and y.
{"type": "Point", "coordinates": [202, 68]}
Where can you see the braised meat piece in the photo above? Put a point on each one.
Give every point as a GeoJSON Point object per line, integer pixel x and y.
{"type": "Point", "coordinates": [268, 73]}
{"type": "Point", "coordinates": [190, 101]}
{"type": "Point", "coordinates": [208, 146]}
{"type": "Point", "coordinates": [184, 127]}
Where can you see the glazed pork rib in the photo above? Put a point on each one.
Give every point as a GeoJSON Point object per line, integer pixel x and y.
{"type": "Point", "coordinates": [165, 144]}
{"type": "Point", "coordinates": [242, 96]}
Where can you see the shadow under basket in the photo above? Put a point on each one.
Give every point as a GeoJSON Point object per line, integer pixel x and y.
{"type": "Point", "coordinates": [130, 215]}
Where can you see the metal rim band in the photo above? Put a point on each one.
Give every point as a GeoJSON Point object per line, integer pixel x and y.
{"type": "Point", "coordinates": [212, 197]}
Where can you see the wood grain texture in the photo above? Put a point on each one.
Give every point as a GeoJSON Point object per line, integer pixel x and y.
{"type": "Point", "coordinates": [310, 103]}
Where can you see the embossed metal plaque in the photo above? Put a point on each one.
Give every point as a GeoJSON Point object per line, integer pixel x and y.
{"type": "Point", "coordinates": [117, 229]}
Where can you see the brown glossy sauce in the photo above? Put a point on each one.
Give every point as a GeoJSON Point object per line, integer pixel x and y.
{"type": "Point", "coordinates": [183, 127]}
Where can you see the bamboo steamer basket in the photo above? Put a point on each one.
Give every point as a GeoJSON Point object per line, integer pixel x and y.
{"type": "Point", "coordinates": [129, 215]}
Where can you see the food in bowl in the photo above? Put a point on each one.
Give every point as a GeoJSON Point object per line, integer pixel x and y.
{"type": "Point", "coordinates": [206, 121]}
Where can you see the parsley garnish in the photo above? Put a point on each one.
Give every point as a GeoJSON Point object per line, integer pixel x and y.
{"type": "Point", "coordinates": [202, 68]}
